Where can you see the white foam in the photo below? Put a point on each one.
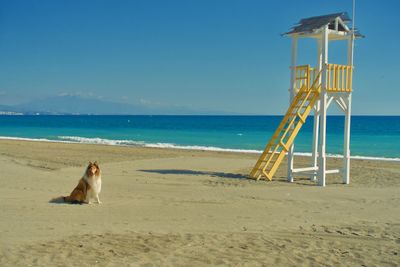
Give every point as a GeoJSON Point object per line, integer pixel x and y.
{"type": "Point", "coordinates": [102, 141]}
{"type": "Point", "coordinates": [29, 139]}
{"type": "Point", "coordinates": [306, 154]}
{"type": "Point", "coordinates": [205, 148]}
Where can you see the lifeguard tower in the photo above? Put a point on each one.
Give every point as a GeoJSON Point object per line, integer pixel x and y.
{"type": "Point", "coordinates": [313, 89]}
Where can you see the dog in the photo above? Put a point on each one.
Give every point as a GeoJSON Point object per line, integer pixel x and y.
{"type": "Point", "coordinates": [88, 188]}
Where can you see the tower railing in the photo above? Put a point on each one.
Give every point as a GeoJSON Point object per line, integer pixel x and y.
{"type": "Point", "coordinates": [304, 74]}
{"type": "Point", "coordinates": [339, 77]}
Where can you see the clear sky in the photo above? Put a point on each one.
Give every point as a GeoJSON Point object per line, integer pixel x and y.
{"type": "Point", "coordinates": [222, 55]}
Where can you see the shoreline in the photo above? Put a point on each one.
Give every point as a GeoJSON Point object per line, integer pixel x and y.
{"type": "Point", "coordinates": [128, 143]}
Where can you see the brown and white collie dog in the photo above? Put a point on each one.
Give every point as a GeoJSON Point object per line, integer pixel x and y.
{"type": "Point", "coordinates": [88, 188]}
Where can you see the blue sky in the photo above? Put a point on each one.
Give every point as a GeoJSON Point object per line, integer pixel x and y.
{"type": "Point", "coordinates": [221, 55]}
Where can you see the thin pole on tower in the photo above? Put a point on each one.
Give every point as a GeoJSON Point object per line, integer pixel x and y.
{"type": "Point", "coordinates": [353, 32]}
{"type": "Point", "coordinates": [354, 15]}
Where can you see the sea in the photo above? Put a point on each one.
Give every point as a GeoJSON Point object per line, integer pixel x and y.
{"type": "Point", "coordinates": [372, 137]}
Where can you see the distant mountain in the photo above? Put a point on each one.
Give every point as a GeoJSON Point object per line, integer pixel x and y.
{"type": "Point", "coordinates": [4, 108]}
{"type": "Point", "coordinates": [7, 108]}
{"type": "Point", "coordinates": [75, 105]}
{"type": "Point", "coordinates": [80, 105]}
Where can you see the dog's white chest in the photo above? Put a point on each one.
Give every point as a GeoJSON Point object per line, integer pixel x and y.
{"type": "Point", "coordinates": [95, 184]}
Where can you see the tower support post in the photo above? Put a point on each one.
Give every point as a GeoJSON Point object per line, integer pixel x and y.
{"type": "Point", "coordinates": [346, 143]}
{"type": "Point", "coordinates": [314, 156]}
{"type": "Point", "coordinates": [292, 89]}
{"type": "Point", "coordinates": [322, 111]}
{"type": "Point", "coordinates": [347, 119]}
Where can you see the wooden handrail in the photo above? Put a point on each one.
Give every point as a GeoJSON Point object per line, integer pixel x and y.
{"type": "Point", "coordinates": [339, 78]}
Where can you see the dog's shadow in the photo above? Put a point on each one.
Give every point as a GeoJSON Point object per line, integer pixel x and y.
{"type": "Point", "coordinates": [197, 173]}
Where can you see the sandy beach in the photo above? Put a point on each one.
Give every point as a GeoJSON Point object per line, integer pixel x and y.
{"type": "Point", "coordinates": [191, 208]}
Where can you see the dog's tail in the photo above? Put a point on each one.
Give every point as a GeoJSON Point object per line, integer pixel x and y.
{"type": "Point", "coordinates": [59, 199]}
{"type": "Point", "coordinates": [67, 199]}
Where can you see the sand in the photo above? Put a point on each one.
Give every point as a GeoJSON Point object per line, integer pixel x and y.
{"type": "Point", "coordinates": [191, 208]}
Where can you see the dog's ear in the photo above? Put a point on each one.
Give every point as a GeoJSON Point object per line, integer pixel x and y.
{"type": "Point", "coordinates": [90, 163]}
{"type": "Point", "coordinates": [96, 163]}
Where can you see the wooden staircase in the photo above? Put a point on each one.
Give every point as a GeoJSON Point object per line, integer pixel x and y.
{"type": "Point", "coordinates": [283, 138]}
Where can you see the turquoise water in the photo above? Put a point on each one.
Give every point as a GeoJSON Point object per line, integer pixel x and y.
{"type": "Point", "coordinates": [371, 136]}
